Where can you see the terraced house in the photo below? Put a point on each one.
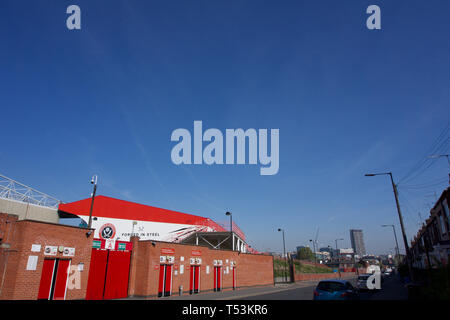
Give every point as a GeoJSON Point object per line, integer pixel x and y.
{"type": "Point", "coordinates": [431, 245]}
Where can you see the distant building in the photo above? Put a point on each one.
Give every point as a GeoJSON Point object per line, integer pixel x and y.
{"type": "Point", "coordinates": [357, 240]}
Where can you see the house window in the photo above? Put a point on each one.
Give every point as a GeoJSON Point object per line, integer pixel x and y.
{"type": "Point", "coordinates": [434, 232]}
{"type": "Point", "coordinates": [442, 223]}
{"type": "Point", "coordinates": [447, 214]}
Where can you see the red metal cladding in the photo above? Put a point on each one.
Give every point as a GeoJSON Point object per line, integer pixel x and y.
{"type": "Point", "coordinates": [120, 209]}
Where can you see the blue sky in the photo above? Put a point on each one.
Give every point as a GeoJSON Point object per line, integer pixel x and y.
{"type": "Point", "coordinates": [347, 100]}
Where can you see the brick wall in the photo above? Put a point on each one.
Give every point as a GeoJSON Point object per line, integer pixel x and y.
{"type": "Point", "coordinates": [251, 270]}
{"type": "Point", "coordinates": [20, 283]}
{"type": "Point", "coordinates": [321, 276]}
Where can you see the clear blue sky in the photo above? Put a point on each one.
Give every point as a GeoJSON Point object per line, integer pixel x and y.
{"type": "Point", "coordinates": [105, 99]}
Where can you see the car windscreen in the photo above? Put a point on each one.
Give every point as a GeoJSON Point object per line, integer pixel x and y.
{"type": "Point", "coordinates": [330, 286]}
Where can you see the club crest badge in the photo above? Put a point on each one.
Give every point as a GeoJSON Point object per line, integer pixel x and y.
{"type": "Point", "coordinates": [107, 231]}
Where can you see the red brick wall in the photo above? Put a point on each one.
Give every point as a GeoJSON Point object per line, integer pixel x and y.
{"type": "Point", "coordinates": [251, 270]}
{"type": "Point", "coordinates": [7, 223]}
{"type": "Point", "coordinates": [20, 283]}
{"type": "Point", "coordinates": [321, 276]}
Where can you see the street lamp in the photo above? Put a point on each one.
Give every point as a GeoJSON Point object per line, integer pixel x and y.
{"type": "Point", "coordinates": [231, 228]}
{"type": "Point", "coordinates": [314, 248]}
{"type": "Point", "coordinates": [339, 257]}
{"type": "Point", "coordinates": [396, 242]}
{"type": "Point", "coordinates": [405, 241]}
{"type": "Point", "coordinates": [285, 257]}
{"type": "Point", "coordinates": [434, 156]}
{"type": "Point", "coordinates": [94, 182]}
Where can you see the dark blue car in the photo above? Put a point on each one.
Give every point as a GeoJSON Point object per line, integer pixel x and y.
{"type": "Point", "coordinates": [335, 289]}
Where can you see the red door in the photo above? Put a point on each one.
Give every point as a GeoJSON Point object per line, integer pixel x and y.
{"type": "Point", "coordinates": [61, 278]}
{"type": "Point", "coordinates": [217, 278]}
{"type": "Point", "coordinates": [234, 278]}
{"type": "Point", "coordinates": [45, 286]}
{"type": "Point", "coordinates": [162, 278]}
{"type": "Point", "coordinates": [108, 274]}
{"type": "Point", "coordinates": [97, 272]}
{"type": "Point", "coordinates": [116, 284]}
{"type": "Point", "coordinates": [54, 277]}
{"type": "Point", "coordinates": [192, 280]}
{"type": "Point", "coordinates": [165, 280]}
{"type": "Point", "coordinates": [168, 282]}
{"type": "Point", "coordinates": [197, 279]}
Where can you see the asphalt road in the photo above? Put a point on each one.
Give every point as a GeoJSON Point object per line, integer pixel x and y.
{"type": "Point", "coordinates": [391, 289]}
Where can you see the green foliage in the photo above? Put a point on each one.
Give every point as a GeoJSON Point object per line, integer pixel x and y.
{"type": "Point", "coordinates": [280, 268]}
{"type": "Point", "coordinates": [305, 254]}
{"type": "Point", "coordinates": [439, 288]}
{"type": "Point", "coordinates": [306, 268]}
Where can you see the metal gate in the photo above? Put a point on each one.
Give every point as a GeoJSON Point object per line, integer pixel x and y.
{"type": "Point", "coordinates": [108, 274]}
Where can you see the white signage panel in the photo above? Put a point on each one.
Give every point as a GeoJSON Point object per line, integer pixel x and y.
{"type": "Point", "coordinates": [68, 252]}
{"type": "Point", "coordinates": [146, 230]}
{"type": "Point", "coordinates": [32, 262]}
{"type": "Point", "coordinates": [51, 250]}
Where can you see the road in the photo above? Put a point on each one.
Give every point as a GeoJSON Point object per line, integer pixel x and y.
{"type": "Point", "coordinates": [392, 289]}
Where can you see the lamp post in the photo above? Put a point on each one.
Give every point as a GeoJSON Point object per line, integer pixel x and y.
{"type": "Point", "coordinates": [285, 257]}
{"type": "Point", "coordinates": [231, 229]}
{"type": "Point", "coordinates": [314, 248]}
{"type": "Point", "coordinates": [405, 241]}
{"type": "Point", "coordinates": [396, 242]}
{"type": "Point", "coordinates": [330, 250]}
{"type": "Point", "coordinates": [339, 257]}
{"type": "Point", "coordinates": [94, 182]}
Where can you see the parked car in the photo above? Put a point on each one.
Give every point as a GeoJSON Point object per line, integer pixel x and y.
{"type": "Point", "coordinates": [335, 289]}
{"type": "Point", "coordinates": [361, 283]}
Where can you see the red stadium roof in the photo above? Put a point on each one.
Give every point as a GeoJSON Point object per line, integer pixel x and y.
{"type": "Point", "coordinates": [120, 209]}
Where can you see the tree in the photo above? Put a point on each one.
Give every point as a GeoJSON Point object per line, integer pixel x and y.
{"type": "Point", "coordinates": [305, 253]}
